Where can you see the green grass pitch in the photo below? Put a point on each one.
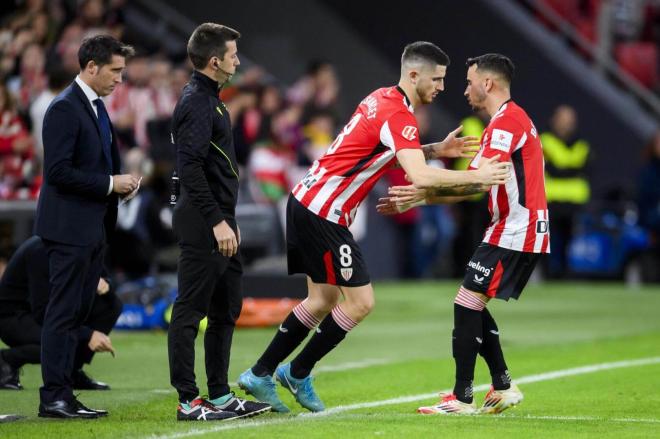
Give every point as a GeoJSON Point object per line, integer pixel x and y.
{"type": "Point", "coordinates": [403, 350]}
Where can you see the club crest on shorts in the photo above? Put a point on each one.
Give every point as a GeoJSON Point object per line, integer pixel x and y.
{"type": "Point", "coordinates": [346, 273]}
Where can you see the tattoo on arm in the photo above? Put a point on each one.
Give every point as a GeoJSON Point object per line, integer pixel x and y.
{"type": "Point", "coordinates": [456, 190]}
{"type": "Point", "coordinates": [428, 151]}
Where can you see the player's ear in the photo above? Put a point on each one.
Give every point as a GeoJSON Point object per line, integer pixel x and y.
{"type": "Point", "coordinates": [488, 84]}
{"type": "Point", "coordinates": [413, 75]}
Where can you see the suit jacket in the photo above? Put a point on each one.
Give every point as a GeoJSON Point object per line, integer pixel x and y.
{"type": "Point", "coordinates": [74, 207]}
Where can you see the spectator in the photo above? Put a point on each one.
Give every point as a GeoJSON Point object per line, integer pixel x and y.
{"type": "Point", "coordinates": [15, 148]}
{"type": "Point", "coordinates": [58, 79]}
{"type": "Point", "coordinates": [648, 201]}
{"type": "Point", "coordinates": [567, 186]}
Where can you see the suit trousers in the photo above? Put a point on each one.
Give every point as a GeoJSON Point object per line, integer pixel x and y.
{"type": "Point", "coordinates": [74, 277]}
{"type": "Point", "coordinates": [209, 286]}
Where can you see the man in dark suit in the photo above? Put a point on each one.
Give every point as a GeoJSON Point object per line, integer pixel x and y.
{"type": "Point", "coordinates": [77, 207]}
{"type": "Point", "coordinates": [23, 301]}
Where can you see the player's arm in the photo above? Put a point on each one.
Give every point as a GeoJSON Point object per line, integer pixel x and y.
{"type": "Point", "coordinates": [400, 134]}
{"type": "Point", "coordinates": [403, 198]}
{"type": "Point", "coordinates": [423, 176]}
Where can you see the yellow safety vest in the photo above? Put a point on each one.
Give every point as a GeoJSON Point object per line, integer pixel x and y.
{"type": "Point", "coordinates": [472, 126]}
{"type": "Point", "coordinates": [574, 189]}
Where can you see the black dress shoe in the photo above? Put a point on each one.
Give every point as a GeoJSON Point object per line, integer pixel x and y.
{"type": "Point", "coordinates": [9, 376]}
{"type": "Point", "coordinates": [82, 381]}
{"type": "Point", "coordinates": [65, 410]}
{"type": "Point", "coordinates": [81, 407]}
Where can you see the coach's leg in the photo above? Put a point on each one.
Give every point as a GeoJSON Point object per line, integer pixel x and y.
{"type": "Point", "coordinates": [491, 351]}
{"type": "Point", "coordinates": [69, 266]}
{"type": "Point", "coordinates": [466, 339]}
{"type": "Point", "coordinates": [321, 299]}
{"type": "Point", "coordinates": [358, 303]}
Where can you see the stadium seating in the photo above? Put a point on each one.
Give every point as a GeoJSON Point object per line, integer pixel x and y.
{"type": "Point", "coordinates": [640, 60]}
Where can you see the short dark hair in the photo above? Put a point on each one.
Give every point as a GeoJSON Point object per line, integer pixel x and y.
{"type": "Point", "coordinates": [425, 52]}
{"type": "Point", "coordinates": [209, 40]}
{"type": "Point", "coordinates": [496, 63]}
{"type": "Point", "coordinates": [100, 49]}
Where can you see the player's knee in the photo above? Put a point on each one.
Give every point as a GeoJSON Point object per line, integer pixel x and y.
{"type": "Point", "coordinates": [321, 305]}
{"type": "Point", "coordinates": [470, 299]}
{"type": "Point", "coordinates": [364, 305]}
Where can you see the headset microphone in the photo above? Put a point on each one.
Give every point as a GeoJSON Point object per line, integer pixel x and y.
{"type": "Point", "coordinates": [217, 66]}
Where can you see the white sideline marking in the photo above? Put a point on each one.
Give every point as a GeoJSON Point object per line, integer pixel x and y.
{"type": "Point", "coordinates": [352, 365]}
{"type": "Point", "coordinates": [547, 376]}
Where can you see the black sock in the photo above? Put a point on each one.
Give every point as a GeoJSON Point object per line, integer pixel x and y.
{"type": "Point", "coordinates": [466, 340]}
{"type": "Point", "coordinates": [491, 351]}
{"type": "Point", "coordinates": [289, 335]}
{"type": "Point", "coordinates": [327, 336]}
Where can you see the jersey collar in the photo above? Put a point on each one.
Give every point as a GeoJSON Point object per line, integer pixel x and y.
{"type": "Point", "coordinates": [205, 82]}
{"type": "Point", "coordinates": [503, 107]}
{"type": "Point", "coordinates": [405, 99]}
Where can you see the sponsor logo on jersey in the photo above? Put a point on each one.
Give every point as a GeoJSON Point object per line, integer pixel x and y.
{"type": "Point", "coordinates": [480, 268]}
{"type": "Point", "coordinates": [409, 132]}
{"type": "Point", "coordinates": [346, 273]}
{"type": "Point", "coordinates": [501, 140]}
{"type": "Point", "coordinates": [542, 226]}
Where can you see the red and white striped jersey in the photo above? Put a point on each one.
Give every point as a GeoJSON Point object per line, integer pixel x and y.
{"type": "Point", "coordinates": [336, 184]}
{"type": "Point", "coordinates": [519, 211]}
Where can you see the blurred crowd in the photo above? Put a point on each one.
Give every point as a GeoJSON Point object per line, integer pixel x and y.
{"type": "Point", "coordinates": [279, 130]}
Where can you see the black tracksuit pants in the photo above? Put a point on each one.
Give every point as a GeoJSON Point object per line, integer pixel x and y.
{"type": "Point", "coordinates": [209, 286]}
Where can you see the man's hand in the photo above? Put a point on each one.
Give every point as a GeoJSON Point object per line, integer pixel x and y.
{"type": "Point", "coordinates": [124, 184]}
{"type": "Point", "coordinates": [453, 146]}
{"type": "Point", "coordinates": [401, 199]}
{"type": "Point", "coordinates": [103, 287]}
{"type": "Point", "coordinates": [491, 172]}
{"type": "Point", "coordinates": [226, 238]}
{"type": "Point", "coordinates": [99, 342]}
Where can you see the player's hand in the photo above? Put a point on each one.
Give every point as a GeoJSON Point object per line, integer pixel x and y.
{"type": "Point", "coordinates": [103, 287]}
{"type": "Point", "coordinates": [401, 199]}
{"type": "Point", "coordinates": [226, 238]}
{"type": "Point", "coordinates": [455, 147]}
{"type": "Point", "coordinates": [99, 342]}
{"type": "Point", "coordinates": [407, 194]}
{"type": "Point", "coordinates": [492, 172]}
{"type": "Point", "coordinates": [124, 184]}
{"type": "Point", "coordinates": [387, 206]}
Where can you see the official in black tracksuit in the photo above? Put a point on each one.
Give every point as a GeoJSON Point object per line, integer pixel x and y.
{"type": "Point", "coordinates": [209, 271]}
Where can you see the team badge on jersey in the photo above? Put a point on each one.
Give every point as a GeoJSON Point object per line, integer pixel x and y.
{"type": "Point", "coordinates": [346, 273]}
{"type": "Point", "coordinates": [409, 132]}
{"type": "Point", "coordinates": [501, 140]}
